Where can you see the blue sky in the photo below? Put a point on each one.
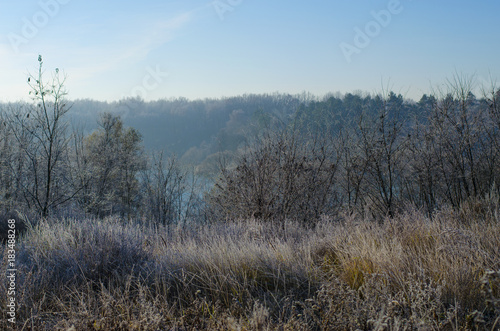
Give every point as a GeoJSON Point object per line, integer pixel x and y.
{"type": "Point", "coordinates": [197, 49]}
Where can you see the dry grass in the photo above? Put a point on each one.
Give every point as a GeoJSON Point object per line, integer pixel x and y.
{"type": "Point", "coordinates": [407, 273]}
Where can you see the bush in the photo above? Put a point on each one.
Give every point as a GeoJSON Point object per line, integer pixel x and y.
{"type": "Point", "coordinates": [280, 178]}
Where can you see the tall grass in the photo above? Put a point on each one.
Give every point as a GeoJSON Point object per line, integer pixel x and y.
{"type": "Point", "coordinates": [409, 272]}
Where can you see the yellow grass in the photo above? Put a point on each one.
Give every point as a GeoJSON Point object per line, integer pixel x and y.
{"type": "Point", "coordinates": [410, 272]}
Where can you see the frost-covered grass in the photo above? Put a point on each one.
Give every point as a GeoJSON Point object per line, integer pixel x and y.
{"type": "Point", "coordinates": [410, 272]}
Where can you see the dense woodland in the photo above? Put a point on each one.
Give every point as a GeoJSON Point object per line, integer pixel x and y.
{"type": "Point", "coordinates": [262, 156]}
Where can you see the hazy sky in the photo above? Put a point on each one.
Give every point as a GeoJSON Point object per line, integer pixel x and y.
{"type": "Point", "coordinates": [197, 49]}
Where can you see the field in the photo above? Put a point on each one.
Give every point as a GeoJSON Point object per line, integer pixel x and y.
{"type": "Point", "coordinates": [410, 272]}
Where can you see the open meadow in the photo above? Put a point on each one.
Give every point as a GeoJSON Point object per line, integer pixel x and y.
{"type": "Point", "coordinates": [410, 272]}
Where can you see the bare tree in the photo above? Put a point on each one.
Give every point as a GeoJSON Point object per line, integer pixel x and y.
{"type": "Point", "coordinates": [382, 145]}
{"type": "Point", "coordinates": [424, 159]}
{"type": "Point", "coordinates": [110, 160]}
{"type": "Point", "coordinates": [492, 130]}
{"type": "Point", "coordinates": [7, 181]}
{"type": "Point", "coordinates": [169, 191]}
{"type": "Point", "coordinates": [40, 133]}
{"type": "Point", "coordinates": [281, 176]}
{"type": "Point", "coordinates": [352, 169]}
{"type": "Point", "coordinates": [455, 122]}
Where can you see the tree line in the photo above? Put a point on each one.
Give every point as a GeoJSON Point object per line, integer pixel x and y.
{"type": "Point", "coordinates": [377, 156]}
{"type": "Point", "coordinates": [48, 168]}
{"type": "Point", "coordinates": [286, 159]}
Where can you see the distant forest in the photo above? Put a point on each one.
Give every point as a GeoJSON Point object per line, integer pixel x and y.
{"type": "Point", "coordinates": [268, 156]}
{"type": "Point", "coordinates": [192, 129]}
